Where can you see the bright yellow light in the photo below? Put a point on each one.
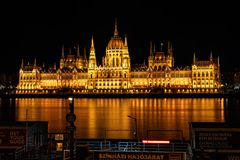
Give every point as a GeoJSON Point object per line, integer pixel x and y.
{"type": "Point", "coordinates": [70, 98]}
{"type": "Point", "coordinates": [155, 141]}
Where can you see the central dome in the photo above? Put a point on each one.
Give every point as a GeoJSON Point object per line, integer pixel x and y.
{"type": "Point", "coordinates": [115, 43]}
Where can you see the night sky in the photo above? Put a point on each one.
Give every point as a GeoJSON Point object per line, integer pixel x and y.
{"type": "Point", "coordinates": [38, 30]}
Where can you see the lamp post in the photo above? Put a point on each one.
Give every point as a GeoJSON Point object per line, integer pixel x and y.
{"type": "Point", "coordinates": [71, 117]}
{"type": "Point", "coordinates": [135, 126]}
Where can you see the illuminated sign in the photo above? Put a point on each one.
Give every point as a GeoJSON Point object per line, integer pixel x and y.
{"type": "Point", "coordinates": [138, 155]}
{"type": "Point", "coordinates": [217, 139]}
{"type": "Point", "coordinates": [12, 137]}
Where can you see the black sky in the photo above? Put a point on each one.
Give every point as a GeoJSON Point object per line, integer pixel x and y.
{"type": "Point", "coordinates": [38, 30]}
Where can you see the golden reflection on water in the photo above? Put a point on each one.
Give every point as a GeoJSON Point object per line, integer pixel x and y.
{"type": "Point", "coordinates": [108, 117]}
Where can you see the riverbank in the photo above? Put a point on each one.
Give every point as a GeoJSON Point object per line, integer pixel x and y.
{"type": "Point", "coordinates": [118, 95]}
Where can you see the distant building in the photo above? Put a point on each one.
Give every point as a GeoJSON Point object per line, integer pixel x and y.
{"type": "Point", "coordinates": [80, 74]}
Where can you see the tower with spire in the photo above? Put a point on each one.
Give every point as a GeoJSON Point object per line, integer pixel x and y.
{"type": "Point", "coordinates": [169, 58]}
{"type": "Point", "coordinates": [160, 59]}
{"type": "Point", "coordinates": [150, 57]}
{"type": "Point", "coordinates": [92, 63]}
{"type": "Point", "coordinates": [79, 59]}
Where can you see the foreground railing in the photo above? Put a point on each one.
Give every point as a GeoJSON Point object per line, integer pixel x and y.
{"type": "Point", "coordinates": [133, 146]}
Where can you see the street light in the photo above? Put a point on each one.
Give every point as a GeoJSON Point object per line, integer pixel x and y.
{"type": "Point", "coordinates": [71, 103]}
{"type": "Point", "coordinates": [135, 126]}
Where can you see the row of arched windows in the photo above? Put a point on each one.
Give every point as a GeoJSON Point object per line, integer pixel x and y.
{"type": "Point", "coordinates": [204, 74]}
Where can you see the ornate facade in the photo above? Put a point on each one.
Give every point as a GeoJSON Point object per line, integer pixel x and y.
{"type": "Point", "coordinates": [79, 74]}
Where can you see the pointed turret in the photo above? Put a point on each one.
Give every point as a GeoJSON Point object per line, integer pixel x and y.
{"type": "Point", "coordinates": [211, 58]}
{"type": "Point", "coordinates": [54, 66]}
{"type": "Point", "coordinates": [115, 29]}
{"type": "Point", "coordinates": [151, 51]}
{"type": "Point", "coordinates": [78, 51]}
{"type": "Point", "coordinates": [62, 51]}
{"type": "Point", "coordinates": [92, 49]}
{"type": "Point", "coordinates": [92, 56]}
{"type": "Point", "coordinates": [150, 57]}
{"type": "Point", "coordinates": [35, 62]}
{"type": "Point", "coordinates": [194, 58]}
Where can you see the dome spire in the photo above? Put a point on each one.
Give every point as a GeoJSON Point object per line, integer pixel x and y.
{"type": "Point", "coordinates": [115, 30]}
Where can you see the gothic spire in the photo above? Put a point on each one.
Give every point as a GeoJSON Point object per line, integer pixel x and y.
{"type": "Point", "coordinates": [115, 30]}
{"type": "Point", "coordinates": [151, 51]}
{"type": "Point", "coordinates": [211, 58]}
{"type": "Point", "coordinates": [169, 47]}
{"type": "Point", "coordinates": [92, 45]}
{"type": "Point", "coordinates": [194, 58]}
{"type": "Point", "coordinates": [35, 62]}
{"type": "Point", "coordinates": [55, 66]}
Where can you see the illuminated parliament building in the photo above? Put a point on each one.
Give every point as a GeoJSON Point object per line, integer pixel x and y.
{"type": "Point", "coordinates": [80, 74]}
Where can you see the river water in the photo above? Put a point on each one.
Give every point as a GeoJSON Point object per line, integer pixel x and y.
{"type": "Point", "coordinates": [116, 118]}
